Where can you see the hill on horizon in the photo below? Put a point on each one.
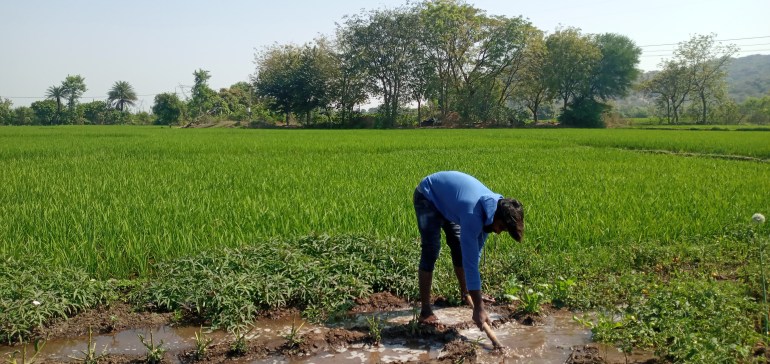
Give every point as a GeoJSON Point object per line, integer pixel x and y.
{"type": "Point", "coordinates": [748, 76]}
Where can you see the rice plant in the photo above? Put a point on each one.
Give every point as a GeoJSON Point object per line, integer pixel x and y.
{"type": "Point", "coordinates": [201, 344]}
{"type": "Point", "coordinates": [375, 329]}
{"type": "Point", "coordinates": [239, 346]}
{"type": "Point", "coordinates": [155, 351]}
{"type": "Point", "coordinates": [146, 194]}
{"type": "Point", "coordinates": [293, 337]}
{"type": "Point", "coordinates": [90, 356]}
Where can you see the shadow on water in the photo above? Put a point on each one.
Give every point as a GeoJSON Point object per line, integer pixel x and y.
{"type": "Point", "coordinates": [550, 342]}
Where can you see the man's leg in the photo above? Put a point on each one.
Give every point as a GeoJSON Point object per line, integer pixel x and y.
{"type": "Point", "coordinates": [429, 222]}
{"type": "Point", "coordinates": [425, 280]}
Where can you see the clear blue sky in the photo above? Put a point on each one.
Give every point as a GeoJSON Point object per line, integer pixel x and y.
{"type": "Point", "coordinates": [156, 45]}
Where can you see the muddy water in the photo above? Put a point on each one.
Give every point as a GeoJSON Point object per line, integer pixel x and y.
{"type": "Point", "coordinates": [175, 339]}
{"type": "Point", "coordinates": [546, 343]}
{"type": "Point", "coordinates": [550, 342]}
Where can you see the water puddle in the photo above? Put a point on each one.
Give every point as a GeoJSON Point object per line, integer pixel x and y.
{"type": "Point", "coordinates": [550, 342]}
{"type": "Point", "coordinates": [174, 339]}
{"type": "Point", "coordinates": [546, 343]}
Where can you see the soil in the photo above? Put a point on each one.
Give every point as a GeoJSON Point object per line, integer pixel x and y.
{"type": "Point", "coordinates": [120, 316]}
{"type": "Point", "coordinates": [585, 355]}
{"type": "Point", "coordinates": [104, 320]}
{"type": "Point", "coordinates": [381, 301]}
{"type": "Point", "coordinates": [593, 354]}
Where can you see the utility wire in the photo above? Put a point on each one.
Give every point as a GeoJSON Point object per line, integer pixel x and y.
{"type": "Point", "coordinates": [739, 45]}
{"type": "Point", "coordinates": [718, 40]}
{"type": "Point", "coordinates": [671, 53]}
{"type": "Point", "coordinates": [82, 97]}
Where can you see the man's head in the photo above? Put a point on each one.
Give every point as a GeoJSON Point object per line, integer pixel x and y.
{"type": "Point", "coordinates": [509, 216]}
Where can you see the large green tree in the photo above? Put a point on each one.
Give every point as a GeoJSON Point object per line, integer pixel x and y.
{"type": "Point", "coordinates": [238, 98]}
{"type": "Point", "coordinates": [348, 82]}
{"type": "Point", "coordinates": [204, 100]}
{"type": "Point", "coordinates": [46, 112]}
{"type": "Point", "coordinates": [588, 70]}
{"type": "Point", "coordinates": [168, 109]}
{"type": "Point", "coordinates": [295, 79]}
{"type": "Point", "coordinates": [383, 44]}
{"type": "Point", "coordinates": [448, 30]}
{"type": "Point", "coordinates": [276, 77]}
{"type": "Point", "coordinates": [670, 87]}
{"type": "Point", "coordinates": [121, 95]}
{"type": "Point", "coordinates": [493, 62]}
{"type": "Point", "coordinates": [96, 112]}
{"type": "Point", "coordinates": [317, 68]}
{"type": "Point", "coordinates": [706, 61]}
{"type": "Point", "coordinates": [23, 115]}
{"type": "Point", "coordinates": [572, 58]}
{"type": "Point", "coordinates": [531, 87]}
{"type": "Point", "coordinates": [756, 110]}
{"type": "Point", "coordinates": [6, 112]}
{"type": "Point", "coordinates": [73, 88]}
{"type": "Point", "coordinates": [615, 72]}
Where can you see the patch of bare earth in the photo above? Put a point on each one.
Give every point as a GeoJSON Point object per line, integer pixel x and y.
{"type": "Point", "coordinates": [103, 320]}
{"type": "Point", "coordinates": [381, 301]}
{"type": "Point", "coordinates": [595, 354]}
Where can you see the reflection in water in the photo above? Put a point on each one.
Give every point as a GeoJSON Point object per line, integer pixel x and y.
{"type": "Point", "coordinates": [547, 343]}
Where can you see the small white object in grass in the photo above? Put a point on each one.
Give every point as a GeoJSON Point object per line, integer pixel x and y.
{"type": "Point", "coordinates": [36, 303]}
{"type": "Point", "coordinates": [758, 218]}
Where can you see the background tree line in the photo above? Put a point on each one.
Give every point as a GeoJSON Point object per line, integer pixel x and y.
{"type": "Point", "coordinates": [451, 62]}
{"type": "Point", "coordinates": [439, 62]}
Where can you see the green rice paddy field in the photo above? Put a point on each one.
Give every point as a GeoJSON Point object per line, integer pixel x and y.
{"type": "Point", "coordinates": [652, 227]}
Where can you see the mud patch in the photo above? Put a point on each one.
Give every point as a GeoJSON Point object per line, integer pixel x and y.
{"type": "Point", "coordinates": [381, 301]}
{"type": "Point", "coordinates": [106, 319]}
{"type": "Point", "coordinates": [605, 354]}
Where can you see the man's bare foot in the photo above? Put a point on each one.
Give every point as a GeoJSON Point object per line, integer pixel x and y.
{"type": "Point", "coordinates": [428, 318]}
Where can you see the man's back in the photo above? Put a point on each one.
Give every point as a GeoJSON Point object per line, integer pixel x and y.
{"type": "Point", "coordinates": [455, 194]}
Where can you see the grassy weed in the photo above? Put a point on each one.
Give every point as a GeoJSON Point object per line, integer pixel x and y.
{"type": "Point", "coordinates": [321, 272]}
{"type": "Point", "coordinates": [33, 295]}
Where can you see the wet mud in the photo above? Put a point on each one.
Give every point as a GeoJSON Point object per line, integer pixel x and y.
{"type": "Point", "coordinates": [283, 337]}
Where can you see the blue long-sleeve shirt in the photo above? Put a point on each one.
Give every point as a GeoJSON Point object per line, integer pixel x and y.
{"type": "Point", "coordinates": [465, 201]}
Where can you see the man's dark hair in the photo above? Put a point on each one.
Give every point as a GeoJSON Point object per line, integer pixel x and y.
{"type": "Point", "coordinates": [511, 212]}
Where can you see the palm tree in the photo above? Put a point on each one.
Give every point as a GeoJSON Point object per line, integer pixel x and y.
{"type": "Point", "coordinates": [56, 93]}
{"type": "Point", "coordinates": [121, 95]}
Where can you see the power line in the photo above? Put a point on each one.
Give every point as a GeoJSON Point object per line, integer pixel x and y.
{"type": "Point", "coordinates": [82, 97]}
{"type": "Point", "coordinates": [741, 48]}
{"type": "Point", "coordinates": [739, 52]}
{"type": "Point", "coordinates": [718, 40]}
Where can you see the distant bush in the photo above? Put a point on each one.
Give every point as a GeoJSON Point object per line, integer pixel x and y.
{"type": "Point", "coordinates": [583, 113]}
